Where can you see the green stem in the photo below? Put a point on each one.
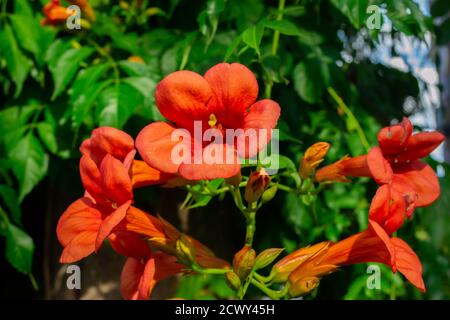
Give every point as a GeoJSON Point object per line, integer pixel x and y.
{"type": "Point", "coordinates": [276, 35]}
{"type": "Point", "coordinates": [210, 271]}
{"type": "Point", "coordinates": [272, 294]}
{"type": "Point", "coordinates": [275, 41]}
{"type": "Point", "coordinates": [351, 116]}
{"type": "Point", "coordinates": [251, 227]}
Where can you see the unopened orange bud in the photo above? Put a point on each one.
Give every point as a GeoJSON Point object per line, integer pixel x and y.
{"type": "Point", "coordinates": [256, 184]}
{"type": "Point", "coordinates": [283, 268]}
{"type": "Point", "coordinates": [233, 280]}
{"type": "Point", "coordinates": [243, 262]}
{"type": "Point", "coordinates": [303, 286]}
{"type": "Point", "coordinates": [312, 158]}
{"type": "Point", "coordinates": [136, 59]}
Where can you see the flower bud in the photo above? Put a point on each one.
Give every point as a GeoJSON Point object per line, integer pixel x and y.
{"type": "Point", "coordinates": [269, 194]}
{"type": "Point", "coordinates": [233, 280]}
{"type": "Point", "coordinates": [243, 262]}
{"type": "Point", "coordinates": [256, 184]}
{"type": "Point", "coordinates": [303, 286]}
{"type": "Point", "coordinates": [267, 257]}
{"type": "Point", "coordinates": [312, 158]}
{"type": "Point", "coordinates": [136, 59]}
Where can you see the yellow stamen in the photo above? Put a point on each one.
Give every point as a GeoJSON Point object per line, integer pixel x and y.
{"type": "Point", "coordinates": [212, 120]}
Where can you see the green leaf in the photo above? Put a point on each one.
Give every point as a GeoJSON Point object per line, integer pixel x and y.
{"type": "Point", "coordinates": [145, 86]}
{"type": "Point", "coordinates": [13, 123]}
{"type": "Point", "coordinates": [307, 82]}
{"type": "Point", "coordinates": [23, 7]}
{"type": "Point", "coordinates": [354, 10]}
{"type": "Point", "coordinates": [31, 36]}
{"type": "Point", "coordinates": [9, 197]}
{"type": "Point", "coordinates": [19, 249]}
{"type": "Point", "coordinates": [85, 90]}
{"type": "Point", "coordinates": [407, 17]}
{"type": "Point", "coordinates": [252, 36]}
{"type": "Point", "coordinates": [31, 163]}
{"type": "Point", "coordinates": [17, 64]}
{"type": "Point", "coordinates": [284, 27]}
{"type": "Point", "coordinates": [203, 200]}
{"type": "Point", "coordinates": [47, 134]}
{"type": "Point", "coordinates": [116, 104]}
{"type": "Point", "coordinates": [232, 47]}
{"type": "Point", "coordinates": [67, 66]}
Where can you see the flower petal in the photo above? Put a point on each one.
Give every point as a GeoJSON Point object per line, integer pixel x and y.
{"type": "Point", "coordinates": [111, 221]}
{"type": "Point", "coordinates": [131, 278]}
{"type": "Point", "coordinates": [143, 175]}
{"type": "Point", "coordinates": [379, 167]}
{"type": "Point", "coordinates": [235, 89]}
{"type": "Point", "coordinates": [408, 263]}
{"type": "Point", "coordinates": [91, 179]}
{"type": "Point", "coordinates": [155, 145]}
{"type": "Point", "coordinates": [219, 161]}
{"type": "Point", "coordinates": [389, 208]}
{"type": "Point", "coordinates": [166, 266]}
{"type": "Point", "coordinates": [79, 216]}
{"type": "Point", "coordinates": [182, 97]}
{"type": "Point", "coordinates": [420, 145]}
{"type": "Point", "coordinates": [419, 180]}
{"type": "Point", "coordinates": [81, 246]}
{"type": "Point", "coordinates": [142, 223]}
{"type": "Point", "coordinates": [105, 140]}
{"type": "Point", "coordinates": [129, 244]}
{"type": "Point", "coordinates": [116, 182]}
{"type": "Point", "coordinates": [391, 139]}
{"type": "Point", "coordinates": [261, 118]}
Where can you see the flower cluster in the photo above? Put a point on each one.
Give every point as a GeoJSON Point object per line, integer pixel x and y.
{"type": "Point", "coordinates": [225, 98]}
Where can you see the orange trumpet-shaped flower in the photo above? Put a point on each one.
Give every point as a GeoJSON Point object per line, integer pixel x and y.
{"type": "Point", "coordinates": [304, 268]}
{"type": "Point", "coordinates": [224, 98]}
{"type": "Point", "coordinates": [312, 158]}
{"type": "Point", "coordinates": [406, 182]}
{"type": "Point", "coordinates": [105, 169]}
{"type": "Point", "coordinates": [55, 13]}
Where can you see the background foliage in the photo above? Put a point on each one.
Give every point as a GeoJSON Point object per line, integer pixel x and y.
{"type": "Point", "coordinates": [57, 85]}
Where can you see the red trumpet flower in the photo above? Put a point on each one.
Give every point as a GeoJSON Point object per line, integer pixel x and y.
{"type": "Point", "coordinates": [221, 101]}
{"type": "Point", "coordinates": [105, 169]}
{"type": "Point", "coordinates": [406, 182]}
{"type": "Point", "coordinates": [371, 245]}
